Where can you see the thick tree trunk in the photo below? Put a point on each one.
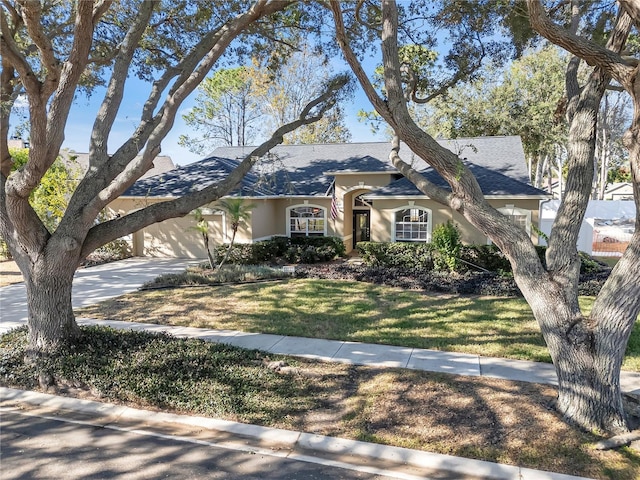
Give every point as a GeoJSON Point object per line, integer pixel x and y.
{"type": "Point", "coordinates": [586, 353]}
{"type": "Point", "coordinates": [589, 392]}
{"type": "Point", "coordinates": [51, 320]}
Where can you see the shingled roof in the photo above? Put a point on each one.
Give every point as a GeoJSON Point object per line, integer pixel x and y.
{"type": "Point", "coordinates": [194, 177]}
{"type": "Point", "coordinates": [308, 170]}
{"type": "Point", "coordinates": [491, 183]}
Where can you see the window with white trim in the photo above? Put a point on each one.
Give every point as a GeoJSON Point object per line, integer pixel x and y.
{"type": "Point", "coordinates": [306, 220]}
{"type": "Point", "coordinates": [519, 216]}
{"type": "Point", "coordinates": [412, 224]}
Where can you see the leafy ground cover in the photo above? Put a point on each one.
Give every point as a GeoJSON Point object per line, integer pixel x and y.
{"type": "Point", "coordinates": [350, 310]}
{"type": "Point", "coordinates": [489, 419]}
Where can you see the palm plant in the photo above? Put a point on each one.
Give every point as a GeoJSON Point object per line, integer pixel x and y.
{"type": "Point", "coordinates": [236, 212]}
{"type": "Point", "coordinates": [202, 227]}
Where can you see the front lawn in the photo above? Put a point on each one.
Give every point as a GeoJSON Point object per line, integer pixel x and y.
{"type": "Point", "coordinates": [354, 311]}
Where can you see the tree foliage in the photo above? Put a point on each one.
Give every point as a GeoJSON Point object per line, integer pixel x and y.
{"type": "Point", "coordinates": [236, 212]}
{"type": "Point", "coordinates": [227, 111]}
{"type": "Point", "coordinates": [50, 198]}
{"type": "Point", "coordinates": [239, 105]}
{"type": "Point", "coordinates": [525, 99]}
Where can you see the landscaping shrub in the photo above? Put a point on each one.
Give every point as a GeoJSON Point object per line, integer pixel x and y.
{"type": "Point", "coordinates": [228, 273]}
{"type": "Point", "coordinates": [245, 253]}
{"type": "Point", "coordinates": [291, 250]}
{"type": "Point", "coordinates": [486, 257]}
{"type": "Point", "coordinates": [334, 243]}
{"type": "Point", "coordinates": [589, 265]}
{"type": "Point", "coordinates": [447, 245]}
{"type": "Point", "coordinates": [119, 249]}
{"type": "Point", "coordinates": [412, 255]}
{"type": "Point", "coordinates": [469, 283]}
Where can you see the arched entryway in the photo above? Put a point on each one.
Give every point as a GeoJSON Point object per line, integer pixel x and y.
{"type": "Point", "coordinates": [361, 220]}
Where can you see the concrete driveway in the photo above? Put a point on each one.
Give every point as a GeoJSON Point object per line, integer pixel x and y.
{"type": "Point", "coordinates": [92, 285]}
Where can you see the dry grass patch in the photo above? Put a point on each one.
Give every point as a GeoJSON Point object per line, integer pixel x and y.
{"type": "Point", "coordinates": [474, 417]}
{"type": "Point", "coordinates": [495, 420]}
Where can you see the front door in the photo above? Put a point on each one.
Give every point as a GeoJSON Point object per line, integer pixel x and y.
{"type": "Point", "coordinates": [361, 227]}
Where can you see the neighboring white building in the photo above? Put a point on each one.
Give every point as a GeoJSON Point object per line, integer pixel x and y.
{"type": "Point", "coordinates": [619, 191]}
{"type": "Point", "coordinates": [606, 229]}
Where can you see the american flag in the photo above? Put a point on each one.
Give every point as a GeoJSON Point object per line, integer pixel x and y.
{"type": "Point", "coordinates": [334, 206]}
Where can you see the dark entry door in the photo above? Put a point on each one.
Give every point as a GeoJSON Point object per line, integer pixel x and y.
{"type": "Point", "coordinates": [361, 227]}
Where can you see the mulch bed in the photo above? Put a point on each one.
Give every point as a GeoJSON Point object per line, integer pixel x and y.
{"type": "Point", "coordinates": [468, 283]}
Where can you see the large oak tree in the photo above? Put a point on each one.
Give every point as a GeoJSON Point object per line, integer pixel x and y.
{"type": "Point", "coordinates": [587, 349]}
{"type": "Point", "coordinates": [52, 51]}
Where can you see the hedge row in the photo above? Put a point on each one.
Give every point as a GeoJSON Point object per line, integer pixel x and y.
{"type": "Point", "coordinates": [291, 250]}
{"type": "Point", "coordinates": [420, 256]}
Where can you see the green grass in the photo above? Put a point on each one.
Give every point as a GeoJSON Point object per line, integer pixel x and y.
{"type": "Point", "coordinates": [353, 311]}
{"type": "Point", "coordinates": [611, 261]}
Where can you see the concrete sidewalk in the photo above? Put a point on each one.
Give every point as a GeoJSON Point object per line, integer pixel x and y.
{"type": "Point", "coordinates": [372, 354]}
{"type": "Point", "coordinates": [95, 284]}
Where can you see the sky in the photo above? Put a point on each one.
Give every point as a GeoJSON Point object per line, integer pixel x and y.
{"type": "Point", "coordinates": [83, 113]}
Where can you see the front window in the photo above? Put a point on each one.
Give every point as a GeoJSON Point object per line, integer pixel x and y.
{"type": "Point", "coordinates": [412, 225]}
{"type": "Point", "coordinates": [518, 216]}
{"type": "Point", "coordinates": [306, 221]}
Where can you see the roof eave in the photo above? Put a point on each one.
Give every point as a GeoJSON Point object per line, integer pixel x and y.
{"type": "Point", "coordinates": [350, 172]}
{"type": "Point", "coordinates": [426, 197]}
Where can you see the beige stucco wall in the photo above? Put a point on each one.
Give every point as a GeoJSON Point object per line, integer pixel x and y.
{"type": "Point", "coordinates": [383, 210]}
{"type": "Point", "coordinates": [264, 219]}
{"type": "Point", "coordinates": [269, 218]}
{"type": "Point", "coordinates": [177, 238]}
{"type": "Point", "coordinates": [281, 205]}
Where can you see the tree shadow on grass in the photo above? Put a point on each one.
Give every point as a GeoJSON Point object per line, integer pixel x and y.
{"type": "Point", "coordinates": [496, 420]}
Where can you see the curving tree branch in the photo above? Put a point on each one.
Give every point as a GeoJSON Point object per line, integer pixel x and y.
{"type": "Point", "coordinates": [113, 229]}
{"type": "Point", "coordinates": [595, 55]}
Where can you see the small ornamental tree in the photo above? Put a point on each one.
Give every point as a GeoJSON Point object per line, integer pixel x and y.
{"type": "Point", "coordinates": [236, 213]}
{"type": "Point", "coordinates": [202, 227]}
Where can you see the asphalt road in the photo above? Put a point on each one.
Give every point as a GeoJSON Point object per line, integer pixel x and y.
{"type": "Point", "coordinates": [46, 448]}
